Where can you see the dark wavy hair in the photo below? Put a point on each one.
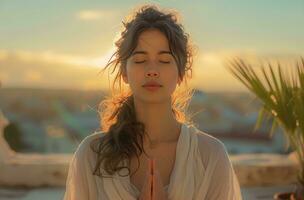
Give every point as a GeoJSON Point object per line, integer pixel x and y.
{"type": "Point", "coordinates": [122, 133]}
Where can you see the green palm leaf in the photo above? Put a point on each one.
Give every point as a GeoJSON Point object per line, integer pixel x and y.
{"type": "Point", "coordinates": [282, 100]}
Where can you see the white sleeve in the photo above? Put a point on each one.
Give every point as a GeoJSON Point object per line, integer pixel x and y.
{"type": "Point", "coordinates": [76, 187]}
{"type": "Point", "coordinates": [224, 183]}
{"type": "Point", "coordinates": [80, 183]}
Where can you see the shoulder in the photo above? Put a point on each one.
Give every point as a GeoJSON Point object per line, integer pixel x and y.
{"type": "Point", "coordinates": [209, 146]}
{"type": "Point", "coordinates": [208, 141]}
{"type": "Point", "coordinates": [84, 149]}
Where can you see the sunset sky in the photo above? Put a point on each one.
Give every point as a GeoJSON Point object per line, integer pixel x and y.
{"type": "Point", "coordinates": [64, 44]}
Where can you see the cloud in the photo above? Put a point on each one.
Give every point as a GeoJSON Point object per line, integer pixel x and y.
{"type": "Point", "coordinates": [52, 57]}
{"type": "Point", "coordinates": [3, 54]}
{"type": "Point", "coordinates": [92, 15]}
{"type": "Point", "coordinates": [210, 72]}
{"type": "Point", "coordinates": [52, 70]}
{"type": "Point", "coordinates": [32, 76]}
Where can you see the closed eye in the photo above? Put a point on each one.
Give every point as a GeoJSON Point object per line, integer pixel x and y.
{"type": "Point", "coordinates": [138, 62]}
{"type": "Point", "coordinates": [165, 62]}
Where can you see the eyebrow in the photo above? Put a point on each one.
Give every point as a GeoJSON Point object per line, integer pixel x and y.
{"type": "Point", "coordinates": [144, 52]}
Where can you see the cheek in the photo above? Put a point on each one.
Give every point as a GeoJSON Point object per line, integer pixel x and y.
{"type": "Point", "coordinates": [172, 74]}
{"type": "Point", "coordinates": [134, 74]}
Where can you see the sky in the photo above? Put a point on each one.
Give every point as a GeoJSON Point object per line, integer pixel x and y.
{"type": "Point", "coordinates": [64, 44]}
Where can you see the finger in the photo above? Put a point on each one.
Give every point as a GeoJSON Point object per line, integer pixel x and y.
{"type": "Point", "coordinates": [152, 164]}
{"type": "Point", "coordinates": [151, 183]}
{"type": "Point", "coordinates": [155, 186]}
{"type": "Point", "coordinates": [153, 176]}
{"type": "Point", "coordinates": [158, 188]}
{"type": "Point", "coordinates": [146, 189]}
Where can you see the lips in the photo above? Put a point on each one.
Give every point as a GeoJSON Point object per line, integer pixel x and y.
{"type": "Point", "coordinates": [152, 84]}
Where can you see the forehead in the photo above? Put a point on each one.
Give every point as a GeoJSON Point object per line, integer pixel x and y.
{"type": "Point", "coordinates": [152, 40]}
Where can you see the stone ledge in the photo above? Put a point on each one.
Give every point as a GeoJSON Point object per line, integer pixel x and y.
{"type": "Point", "coordinates": [34, 170]}
{"type": "Point", "coordinates": [265, 169]}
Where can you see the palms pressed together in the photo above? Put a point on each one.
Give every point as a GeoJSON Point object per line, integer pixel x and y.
{"type": "Point", "coordinates": [153, 188]}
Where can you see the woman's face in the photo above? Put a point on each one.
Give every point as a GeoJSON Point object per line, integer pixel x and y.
{"type": "Point", "coordinates": [152, 61]}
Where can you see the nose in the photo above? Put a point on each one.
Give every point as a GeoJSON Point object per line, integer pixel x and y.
{"type": "Point", "coordinates": [152, 72]}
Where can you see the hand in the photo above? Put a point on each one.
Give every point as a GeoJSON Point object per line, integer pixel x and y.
{"type": "Point", "coordinates": [146, 191]}
{"type": "Point", "coordinates": [158, 187]}
{"type": "Point", "coordinates": [153, 188]}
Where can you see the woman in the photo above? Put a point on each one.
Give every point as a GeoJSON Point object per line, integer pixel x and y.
{"type": "Point", "coordinates": [147, 148]}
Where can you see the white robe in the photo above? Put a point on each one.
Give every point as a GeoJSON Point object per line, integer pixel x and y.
{"type": "Point", "coordinates": [202, 171]}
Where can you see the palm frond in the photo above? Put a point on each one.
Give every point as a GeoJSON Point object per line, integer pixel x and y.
{"type": "Point", "coordinates": [282, 100]}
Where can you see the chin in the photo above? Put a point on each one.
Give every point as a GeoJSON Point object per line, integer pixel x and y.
{"type": "Point", "coordinates": [152, 99]}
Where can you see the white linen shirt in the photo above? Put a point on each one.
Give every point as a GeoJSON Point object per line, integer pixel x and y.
{"type": "Point", "coordinates": [202, 171]}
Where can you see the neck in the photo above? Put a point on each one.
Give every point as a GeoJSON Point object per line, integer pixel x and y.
{"type": "Point", "coordinates": [160, 123]}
